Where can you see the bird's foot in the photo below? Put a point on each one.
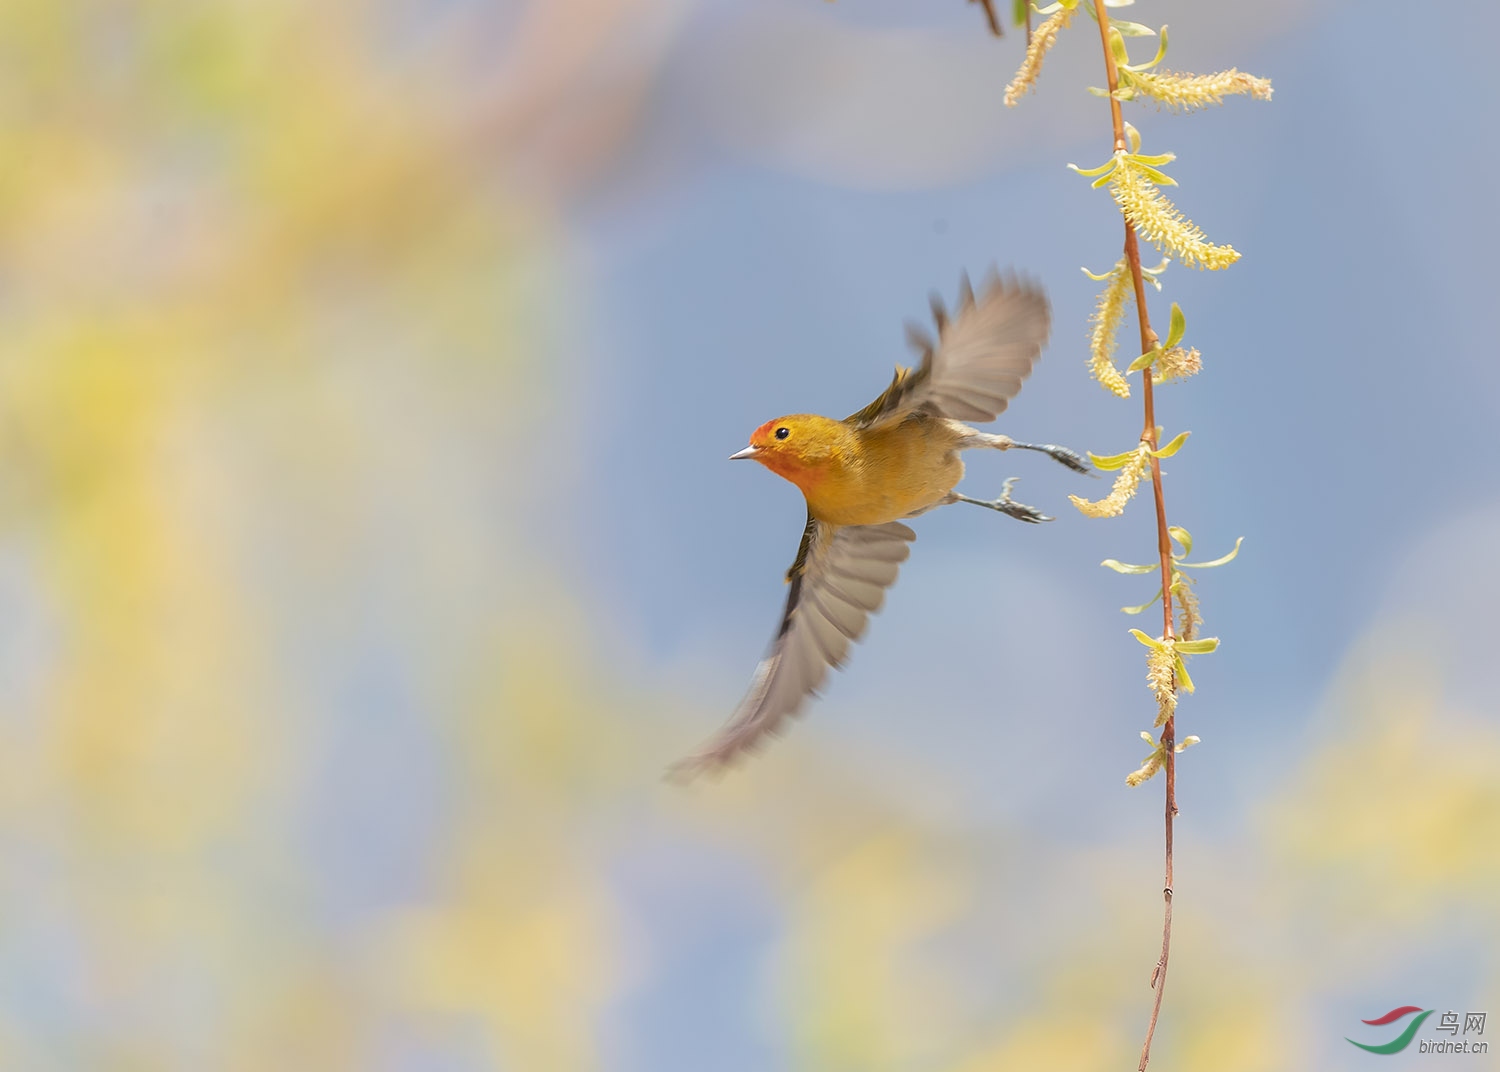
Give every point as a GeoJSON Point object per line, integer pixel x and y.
{"type": "Point", "coordinates": [1006, 505]}
{"type": "Point", "coordinates": [1063, 455]}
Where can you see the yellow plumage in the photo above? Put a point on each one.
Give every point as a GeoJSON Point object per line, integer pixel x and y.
{"type": "Point", "coordinates": [865, 476]}
{"type": "Point", "coordinates": [896, 458]}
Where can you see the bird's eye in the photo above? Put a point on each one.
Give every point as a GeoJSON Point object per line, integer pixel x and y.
{"type": "Point", "coordinates": [782, 433]}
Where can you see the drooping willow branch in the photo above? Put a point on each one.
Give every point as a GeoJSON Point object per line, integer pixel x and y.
{"type": "Point", "coordinates": [1163, 538]}
{"type": "Point", "coordinates": [991, 17]}
{"type": "Point", "coordinates": [1134, 180]}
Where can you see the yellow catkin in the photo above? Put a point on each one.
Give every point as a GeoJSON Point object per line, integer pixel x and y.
{"type": "Point", "coordinates": [1189, 615]}
{"type": "Point", "coordinates": [1177, 364]}
{"type": "Point", "coordinates": [1151, 765]}
{"type": "Point", "coordinates": [1184, 92]}
{"type": "Point", "coordinates": [1041, 40]}
{"type": "Point", "coordinates": [1159, 221]}
{"type": "Point", "coordinates": [1128, 479]}
{"type": "Point", "coordinates": [1162, 683]}
{"type": "Point", "coordinates": [1106, 320]}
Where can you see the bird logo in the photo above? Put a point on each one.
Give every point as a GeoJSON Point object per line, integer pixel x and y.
{"type": "Point", "coordinates": [864, 475]}
{"type": "Point", "coordinates": [1401, 1041]}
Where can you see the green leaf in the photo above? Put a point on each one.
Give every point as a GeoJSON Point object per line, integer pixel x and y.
{"type": "Point", "coordinates": [1125, 567]}
{"type": "Point", "coordinates": [1149, 641]}
{"type": "Point", "coordinates": [1161, 178]}
{"type": "Point", "coordinates": [1172, 447]}
{"type": "Point", "coordinates": [1102, 180]}
{"type": "Point", "coordinates": [1197, 647]}
{"type": "Point", "coordinates": [1118, 3]}
{"type": "Point", "coordinates": [1182, 536]}
{"type": "Point", "coordinates": [1218, 561]}
{"type": "Point", "coordinates": [1103, 169]}
{"type": "Point", "coordinates": [1146, 360]}
{"type": "Point", "coordinates": [1144, 606]}
{"type": "Point", "coordinates": [1018, 12]}
{"type": "Point", "coordinates": [1178, 327]}
{"type": "Point", "coordinates": [1153, 161]}
{"type": "Point", "coordinates": [1098, 278]}
{"type": "Point", "coordinates": [1117, 46]}
{"type": "Point", "coordinates": [1184, 681]}
{"type": "Point", "coordinates": [1132, 29]}
{"type": "Point", "coordinates": [1112, 461]}
{"type": "Point", "coordinates": [1132, 137]}
{"type": "Point", "coordinates": [1161, 52]}
{"type": "Point", "coordinates": [1098, 91]}
{"type": "Point", "coordinates": [1049, 9]}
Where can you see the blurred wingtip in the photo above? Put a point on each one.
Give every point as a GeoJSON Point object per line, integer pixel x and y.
{"type": "Point", "coordinates": [939, 313]}
{"type": "Point", "coordinates": [683, 772]}
{"type": "Point", "coordinates": [693, 768]}
{"type": "Point", "coordinates": [965, 293]}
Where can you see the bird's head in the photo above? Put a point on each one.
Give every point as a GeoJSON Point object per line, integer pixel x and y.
{"type": "Point", "coordinates": [801, 447]}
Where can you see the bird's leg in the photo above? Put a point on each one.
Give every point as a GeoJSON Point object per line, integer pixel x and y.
{"type": "Point", "coordinates": [1005, 504]}
{"type": "Point", "coordinates": [1067, 457]}
{"type": "Point", "coordinates": [1063, 455]}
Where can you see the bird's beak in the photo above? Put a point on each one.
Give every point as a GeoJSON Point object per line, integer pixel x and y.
{"type": "Point", "coordinates": [748, 452]}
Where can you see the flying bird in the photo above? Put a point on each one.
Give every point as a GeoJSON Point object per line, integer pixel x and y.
{"type": "Point", "coordinates": [896, 458]}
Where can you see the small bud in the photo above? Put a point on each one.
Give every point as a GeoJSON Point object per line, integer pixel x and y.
{"type": "Point", "coordinates": [1178, 364]}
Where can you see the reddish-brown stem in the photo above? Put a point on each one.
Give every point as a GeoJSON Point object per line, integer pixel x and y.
{"type": "Point", "coordinates": [994, 20]}
{"type": "Point", "coordinates": [1163, 537]}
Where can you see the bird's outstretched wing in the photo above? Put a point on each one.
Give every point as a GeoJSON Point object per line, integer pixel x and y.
{"type": "Point", "coordinates": [979, 360]}
{"type": "Point", "coordinates": [837, 582]}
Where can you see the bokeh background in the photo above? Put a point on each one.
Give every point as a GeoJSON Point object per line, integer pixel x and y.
{"type": "Point", "coordinates": [366, 378]}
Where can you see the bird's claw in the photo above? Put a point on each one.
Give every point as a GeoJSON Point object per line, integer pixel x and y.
{"type": "Point", "coordinates": [1020, 511]}
{"type": "Point", "coordinates": [1071, 458]}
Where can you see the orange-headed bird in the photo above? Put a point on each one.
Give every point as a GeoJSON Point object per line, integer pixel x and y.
{"type": "Point", "coordinates": [896, 458]}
